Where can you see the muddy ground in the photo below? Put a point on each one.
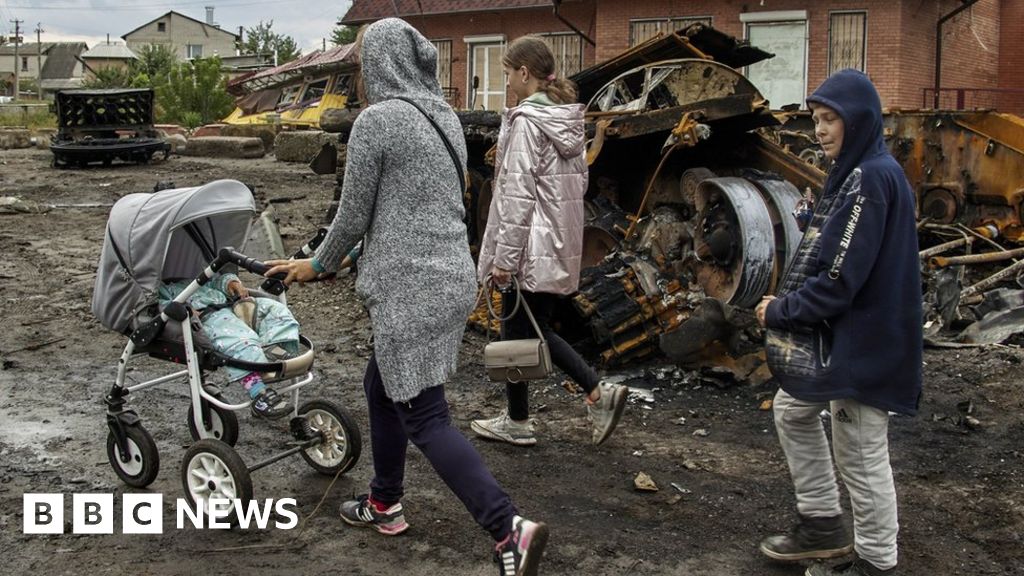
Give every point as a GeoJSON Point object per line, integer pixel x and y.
{"type": "Point", "coordinates": [961, 486]}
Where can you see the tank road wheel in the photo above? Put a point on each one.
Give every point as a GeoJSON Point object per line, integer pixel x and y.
{"type": "Point", "coordinates": [735, 241]}
{"type": "Point", "coordinates": [223, 424]}
{"type": "Point", "coordinates": [213, 470]}
{"type": "Point", "coordinates": [342, 444]}
{"type": "Point", "coordinates": [143, 458]}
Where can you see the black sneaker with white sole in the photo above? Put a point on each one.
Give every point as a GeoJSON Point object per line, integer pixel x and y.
{"type": "Point", "coordinates": [270, 404]}
{"type": "Point", "coordinates": [520, 553]}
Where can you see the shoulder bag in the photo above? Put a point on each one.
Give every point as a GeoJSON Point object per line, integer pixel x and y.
{"type": "Point", "coordinates": [516, 360]}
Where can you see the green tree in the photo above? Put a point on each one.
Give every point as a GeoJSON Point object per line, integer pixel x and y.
{"type": "Point", "coordinates": [343, 35]}
{"type": "Point", "coordinates": [261, 39]}
{"type": "Point", "coordinates": [110, 77]}
{"type": "Point", "coordinates": [155, 61]}
{"type": "Point", "coordinates": [195, 93]}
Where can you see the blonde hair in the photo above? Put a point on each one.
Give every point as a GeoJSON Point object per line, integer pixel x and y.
{"type": "Point", "coordinates": [534, 53]}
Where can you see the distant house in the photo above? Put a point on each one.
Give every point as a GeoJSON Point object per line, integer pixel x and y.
{"type": "Point", "coordinates": [60, 65]}
{"type": "Point", "coordinates": [107, 55]}
{"type": "Point", "coordinates": [187, 37]}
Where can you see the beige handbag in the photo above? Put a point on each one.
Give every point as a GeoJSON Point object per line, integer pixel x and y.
{"type": "Point", "coordinates": [516, 360]}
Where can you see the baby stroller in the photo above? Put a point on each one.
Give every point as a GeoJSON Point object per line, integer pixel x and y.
{"type": "Point", "coordinates": [188, 233]}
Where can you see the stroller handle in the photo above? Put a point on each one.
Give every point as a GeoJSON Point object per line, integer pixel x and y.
{"type": "Point", "coordinates": [272, 285]}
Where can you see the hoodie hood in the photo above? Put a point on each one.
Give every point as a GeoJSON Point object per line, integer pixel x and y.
{"type": "Point", "coordinates": [396, 60]}
{"type": "Point", "coordinates": [854, 98]}
{"type": "Point", "coordinates": [562, 125]}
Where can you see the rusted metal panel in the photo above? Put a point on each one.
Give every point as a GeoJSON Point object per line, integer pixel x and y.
{"type": "Point", "coordinates": [696, 41]}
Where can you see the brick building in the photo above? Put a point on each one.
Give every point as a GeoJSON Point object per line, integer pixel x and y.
{"type": "Point", "coordinates": [893, 41]}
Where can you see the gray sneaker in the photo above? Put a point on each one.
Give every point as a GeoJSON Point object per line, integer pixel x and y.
{"type": "Point", "coordinates": [505, 429]}
{"type": "Point", "coordinates": [819, 538]}
{"type": "Point", "coordinates": [362, 512]}
{"type": "Point", "coordinates": [607, 410]}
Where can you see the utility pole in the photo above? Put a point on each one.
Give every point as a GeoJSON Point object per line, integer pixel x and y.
{"type": "Point", "coordinates": [17, 61]}
{"type": "Point", "coordinates": [39, 60]}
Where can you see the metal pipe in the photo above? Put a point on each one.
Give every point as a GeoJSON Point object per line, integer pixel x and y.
{"type": "Point", "coordinates": [993, 279]}
{"type": "Point", "coordinates": [290, 452]}
{"type": "Point", "coordinates": [942, 262]}
{"type": "Point", "coordinates": [558, 3]}
{"type": "Point", "coordinates": [940, 248]}
{"type": "Point", "coordinates": [938, 47]}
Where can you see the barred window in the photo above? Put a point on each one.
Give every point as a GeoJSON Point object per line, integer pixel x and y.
{"type": "Point", "coordinates": [444, 62]}
{"type": "Point", "coordinates": [568, 51]}
{"type": "Point", "coordinates": [846, 41]}
{"type": "Point", "coordinates": [641, 31]}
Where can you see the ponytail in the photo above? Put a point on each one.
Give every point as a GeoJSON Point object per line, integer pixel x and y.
{"type": "Point", "coordinates": [560, 90]}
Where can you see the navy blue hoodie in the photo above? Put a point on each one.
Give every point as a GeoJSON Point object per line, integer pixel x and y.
{"type": "Point", "coordinates": [861, 282]}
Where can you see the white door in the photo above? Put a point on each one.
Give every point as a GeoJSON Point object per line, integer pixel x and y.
{"type": "Point", "coordinates": [488, 76]}
{"type": "Point", "coordinates": [782, 79]}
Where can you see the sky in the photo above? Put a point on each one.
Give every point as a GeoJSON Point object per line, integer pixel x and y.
{"type": "Point", "coordinates": [309, 22]}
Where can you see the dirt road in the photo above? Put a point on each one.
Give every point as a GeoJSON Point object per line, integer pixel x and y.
{"type": "Point", "coordinates": [960, 483]}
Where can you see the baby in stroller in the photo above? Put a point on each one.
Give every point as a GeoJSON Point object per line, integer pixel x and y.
{"type": "Point", "coordinates": [243, 328]}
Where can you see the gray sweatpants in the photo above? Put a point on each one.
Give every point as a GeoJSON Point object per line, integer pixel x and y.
{"type": "Point", "coordinates": [860, 439]}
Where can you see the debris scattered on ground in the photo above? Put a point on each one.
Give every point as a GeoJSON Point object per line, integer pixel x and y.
{"type": "Point", "coordinates": [644, 483]}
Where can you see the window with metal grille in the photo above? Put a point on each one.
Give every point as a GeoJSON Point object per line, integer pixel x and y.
{"type": "Point", "coordinates": [444, 62]}
{"type": "Point", "coordinates": [568, 51]}
{"type": "Point", "coordinates": [643, 30]}
{"type": "Point", "coordinates": [846, 41]}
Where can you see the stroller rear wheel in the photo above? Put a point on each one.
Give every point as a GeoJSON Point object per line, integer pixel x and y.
{"type": "Point", "coordinates": [212, 470]}
{"type": "Point", "coordinates": [143, 458]}
{"type": "Point", "coordinates": [223, 424]}
{"type": "Point", "coordinates": [342, 444]}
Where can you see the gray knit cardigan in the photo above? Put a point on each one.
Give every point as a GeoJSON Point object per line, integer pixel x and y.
{"type": "Point", "coordinates": [401, 191]}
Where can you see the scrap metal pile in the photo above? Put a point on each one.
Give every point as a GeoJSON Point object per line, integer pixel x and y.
{"type": "Point", "coordinates": [105, 125]}
{"type": "Point", "coordinates": [693, 185]}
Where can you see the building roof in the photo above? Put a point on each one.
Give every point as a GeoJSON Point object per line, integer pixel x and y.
{"type": "Point", "coordinates": [363, 11]}
{"type": "Point", "coordinates": [312, 63]}
{"type": "Point", "coordinates": [25, 49]}
{"type": "Point", "coordinates": [213, 28]}
{"type": "Point", "coordinates": [110, 51]}
{"type": "Point", "coordinates": [61, 60]}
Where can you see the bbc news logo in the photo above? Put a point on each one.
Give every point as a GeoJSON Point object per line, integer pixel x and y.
{"type": "Point", "coordinates": [144, 514]}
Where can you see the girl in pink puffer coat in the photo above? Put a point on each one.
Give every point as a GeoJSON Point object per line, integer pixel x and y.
{"type": "Point", "coordinates": [535, 230]}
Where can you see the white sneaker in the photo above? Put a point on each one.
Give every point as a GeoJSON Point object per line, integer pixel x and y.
{"type": "Point", "coordinates": [607, 410]}
{"type": "Point", "coordinates": [505, 429]}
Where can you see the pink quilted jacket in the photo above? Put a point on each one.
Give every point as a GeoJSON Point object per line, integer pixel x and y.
{"type": "Point", "coordinates": [535, 222]}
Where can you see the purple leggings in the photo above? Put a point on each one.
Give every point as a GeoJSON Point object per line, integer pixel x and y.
{"type": "Point", "coordinates": [425, 422]}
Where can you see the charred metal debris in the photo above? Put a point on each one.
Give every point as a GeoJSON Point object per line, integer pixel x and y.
{"type": "Point", "coordinates": [105, 125]}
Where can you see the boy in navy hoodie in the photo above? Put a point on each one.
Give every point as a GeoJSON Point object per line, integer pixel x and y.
{"type": "Point", "coordinates": [844, 333]}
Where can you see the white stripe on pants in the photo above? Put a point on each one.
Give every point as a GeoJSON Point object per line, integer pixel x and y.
{"type": "Point", "coordinates": [860, 438]}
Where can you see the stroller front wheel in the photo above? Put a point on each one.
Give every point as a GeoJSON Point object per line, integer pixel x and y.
{"type": "Point", "coordinates": [342, 443]}
{"type": "Point", "coordinates": [143, 462]}
{"type": "Point", "coordinates": [212, 470]}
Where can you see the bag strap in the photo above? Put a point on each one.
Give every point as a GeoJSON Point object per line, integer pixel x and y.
{"type": "Point", "coordinates": [444, 138]}
{"type": "Point", "coordinates": [519, 301]}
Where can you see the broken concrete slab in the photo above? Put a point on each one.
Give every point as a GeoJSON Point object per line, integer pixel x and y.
{"type": "Point", "coordinates": [265, 132]}
{"type": "Point", "coordinates": [178, 142]}
{"type": "Point", "coordinates": [301, 146]}
{"type": "Point", "coordinates": [11, 138]}
{"type": "Point", "coordinates": [224, 147]}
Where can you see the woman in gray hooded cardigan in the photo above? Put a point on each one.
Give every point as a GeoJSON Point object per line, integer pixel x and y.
{"type": "Point", "coordinates": [401, 197]}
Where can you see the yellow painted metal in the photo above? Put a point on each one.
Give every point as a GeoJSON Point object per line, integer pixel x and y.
{"type": "Point", "coordinates": [307, 116]}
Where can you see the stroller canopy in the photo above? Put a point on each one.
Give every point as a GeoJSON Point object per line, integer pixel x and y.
{"type": "Point", "coordinates": [166, 235]}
